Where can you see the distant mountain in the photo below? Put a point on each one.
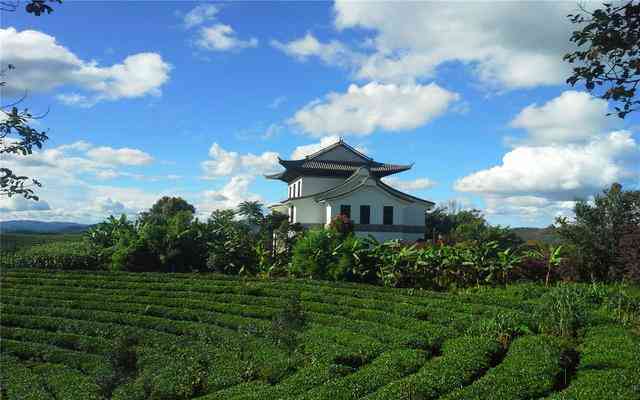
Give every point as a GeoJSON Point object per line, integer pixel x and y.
{"type": "Point", "coordinates": [28, 226]}
{"type": "Point", "coordinates": [544, 235]}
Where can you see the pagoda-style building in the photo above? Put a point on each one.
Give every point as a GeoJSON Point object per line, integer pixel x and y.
{"type": "Point", "coordinates": [341, 180]}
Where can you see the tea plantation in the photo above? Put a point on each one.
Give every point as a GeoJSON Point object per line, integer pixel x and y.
{"type": "Point", "coordinates": [99, 335]}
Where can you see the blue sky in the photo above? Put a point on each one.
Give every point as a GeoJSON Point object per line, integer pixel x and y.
{"type": "Point", "coordinates": [199, 99]}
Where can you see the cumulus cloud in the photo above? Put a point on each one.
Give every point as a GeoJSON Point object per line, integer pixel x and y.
{"type": "Point", "coordinates": [568, 151]}
{"type": "Point", "coordinates": [44, 64]}
{"type": "Point", "coordinates": [216, 36]}
{"type": "Point", "coordinates": [235, 191]}
{"type": "Point", "coordinates": [410, 185]}
{"type": "Point", "coordinates": [228, 163]}
{"type": "Point", "coordinates": [562, 172]}
{"type": "Point", "coordinates": [571, 117]}
{"type": "Point", "coordinates": [19, 203]}
{"type": "Point", "coordinates": [221, 37]}
{"type": "Point", "coordinates": [122, 156]}
{"type": "Point", "coordinates": [527, 208]}
{"type": "Point", "coordinates": [333, 52]}
{"type": "Point", "coordinates": [301, 152]}
{"type": "Point", "coordinates": [66, 163]}
{"type": "Point", "coordinates": [200, 14]}
{"type": "Point", "coordinates": [374, 106]}
{"type": "Point", "coordinates": [508, 44]}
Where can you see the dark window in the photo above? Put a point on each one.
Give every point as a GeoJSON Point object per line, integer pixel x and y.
{"type": "Point", "coordinates": [365, 214]}
{"type": "Point", "coordinates": [387, 215]}
{"type": "Point", "coordinates": [345, 210]}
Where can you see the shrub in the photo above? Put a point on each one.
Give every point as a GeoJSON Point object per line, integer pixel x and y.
{"type": "Point", "coordinates": [313, 254]}
{"type": "Point", "coordinates": [562, 311]}
{"type": "Point", "coordinates": [56, 256]}
{"type": "Point", "coordinates": [530, 370]}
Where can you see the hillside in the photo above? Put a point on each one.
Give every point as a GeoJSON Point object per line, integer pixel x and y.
{"type": "Point", "coordinates": [80, 335]}
{"type": "Point", "coordinates": [29, 226]}
{"type": "Point", "coordinates": [546, 235]}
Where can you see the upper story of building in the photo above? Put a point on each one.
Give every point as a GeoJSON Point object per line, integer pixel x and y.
{"type": "Point", "coordinates": [328, 168]}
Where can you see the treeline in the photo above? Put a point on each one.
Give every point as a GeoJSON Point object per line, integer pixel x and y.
{"type": "Point", "coordinates": [601, 244]}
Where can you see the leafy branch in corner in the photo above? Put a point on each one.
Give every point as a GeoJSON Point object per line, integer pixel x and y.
{"type": "Point", "coordinates": [611, 57]}
{"type": "Point", "coordinates": [17, 137]}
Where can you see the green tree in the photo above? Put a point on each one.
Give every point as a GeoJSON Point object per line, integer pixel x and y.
{"type": "Point", "coordinates": [252, 212]}
{"type": "Point", "coordinates": [165, 208]}
{"type": "Point", "coordinates": [608, 54]}
{"type": "Point", "coordinates": [599, 228]}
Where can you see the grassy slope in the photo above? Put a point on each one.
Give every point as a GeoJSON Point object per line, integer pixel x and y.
{"type": "Point", "coordinates": [212, 336]}
{"type": "Point", "coordinates": [10, 242]}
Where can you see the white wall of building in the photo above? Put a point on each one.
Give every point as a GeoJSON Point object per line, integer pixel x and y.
{"type": "Point", "coordinates": [315, 184]}
{"type": "Point", "coordinates": [404, 213]}
{"type": "Point", "coordinates": [307, 211]}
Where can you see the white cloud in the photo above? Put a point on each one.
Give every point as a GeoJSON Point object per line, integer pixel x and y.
{"type": "Point", "coordinates": [509, 44]}
{"type": "Point", "coordinates": [76, 99]}
{"type": "Point", "coordinates": [301, 151]}
{"type": "Point", "coordinates": [63, 165]}
{"type": "Point", "coordinates": [43, 65]}
{"type": "Point", "coordinates": [18, 203]}
{"type": "Point", "coordinates": [221, 37]}
{"type": "Point", "coordinates": [122, 156]}
{"type": "Point", "coordinates": [333, 52]}
{"type": "Point", "coordinates": [571, 117]}
{"type": "Point", "coordinates": [228, 163]}
{"type": "Point", "coordinates": [527, 208]}
{"type": "Point", "coordinates": [374, 106]}
{"type": "Point", "coordinates": [561, 171]}
{"type": "Point", "coordinates": [235, 191]}
{"type": "Point", "coordinates": [277, 102]}
{"type": "Point", "coordinates": [568, 152]}
{"type": "Point", "coordinates": [200, 14]}
{"type": "Point", "coordinates": [410, 185]}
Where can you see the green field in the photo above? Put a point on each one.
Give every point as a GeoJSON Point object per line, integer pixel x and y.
{"type": "Point", "coordinates": [10, 242]}
{"type": "Point", "coordinates": [75, 335]}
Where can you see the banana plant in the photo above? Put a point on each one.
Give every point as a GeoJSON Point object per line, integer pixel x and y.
{"type": "Point", "coordinates": [552, 256]}
{"type": "Point", "coordinates": [507, 260]}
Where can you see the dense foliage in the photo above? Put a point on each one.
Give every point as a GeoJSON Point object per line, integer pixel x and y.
{"type": "Point", "coordinates": [605, 234]}
{"type": "Point", "coordinates": [114, 335]}
{"type": "Point", "coordinates": [602, 243]}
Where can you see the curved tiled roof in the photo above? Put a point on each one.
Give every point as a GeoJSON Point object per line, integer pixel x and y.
{"type": "Point", "coordinates": [316, 166]}
{"type": "Point", "coordinates": [358, 180]}
{"type": "Point", "coordinates": [340, 168]}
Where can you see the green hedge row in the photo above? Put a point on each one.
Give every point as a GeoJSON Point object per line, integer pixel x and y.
{"type": "Point", "coordinates": [416, 334]}
{"type": "Point", "coordinates": [462, 360]}
{"type": "Point", "coordinates": [69, 341]}
{"type": "Point", "coordinates": [54, 256]}
{"type": "Point", "coordinates": [610, 346]}
{"type": "Point", "coordinates": [530, 370]}
{"type": "Point", "coordinates": [609, 366]}
{"type": "Point", "coordinates": [388, 367]}
{"type": "Point", "coordinates": [258, 307]}
{"type": "Point", "coordinates": [88, 364]}
{"type": "Point", "coordinates": [618, 384]}
{"type": "Point", "coordinates": [212, 283]}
